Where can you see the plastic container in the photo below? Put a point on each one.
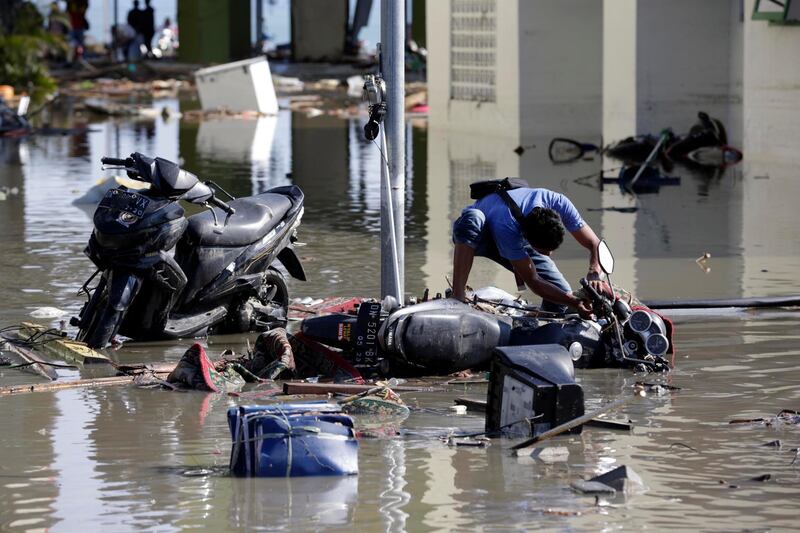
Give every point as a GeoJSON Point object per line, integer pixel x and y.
{"type": "Point", "coordinates": [288, 440]}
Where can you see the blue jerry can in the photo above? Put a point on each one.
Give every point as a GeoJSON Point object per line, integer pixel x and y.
{"type": "Point", "coordinates": [284, 440]}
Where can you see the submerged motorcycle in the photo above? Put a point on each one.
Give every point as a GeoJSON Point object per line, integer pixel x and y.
{"type": "Point", "coordinates": [165, 275]}
{"type": "Point", "coordinates": [444, 335]}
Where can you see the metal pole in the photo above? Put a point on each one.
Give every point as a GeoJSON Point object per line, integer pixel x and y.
{"type": "Point", "coordinates": [393, 30]}
{"type": "Point", "coordinates": [386, 187]}
{"type": "Point", "coordinates": [259, 22]}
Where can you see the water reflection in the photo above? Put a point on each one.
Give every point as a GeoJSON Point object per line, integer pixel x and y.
{"type": "Point", "coordinates": [304, 503]}
{"type": "Point", "coordinates": [116, 458]}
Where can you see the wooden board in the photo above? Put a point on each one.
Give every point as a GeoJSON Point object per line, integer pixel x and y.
{"type": "Point", "coordinates": [327, 306]}
{"type": "Point", "coordinates": [60, 385]}
{"type": "Point", "coordinates": [479, 406]}
{"type": "Point", "coordinates": [293, 387]}
{"type": "Point", "coordinates": [21, 355]}
{"type": "Point", "coordinates": [64, 348]}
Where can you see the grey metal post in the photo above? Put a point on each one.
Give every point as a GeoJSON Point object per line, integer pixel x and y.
{"type": "Point", "coordinates": [259, 21]}
{"type": "Point", "coordinates": [393, 31]}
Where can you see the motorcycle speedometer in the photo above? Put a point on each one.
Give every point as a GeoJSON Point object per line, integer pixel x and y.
{"type": "Point", "coordinates": [640, 321]}
{"type": "Point", "coordinates": [657, 344]}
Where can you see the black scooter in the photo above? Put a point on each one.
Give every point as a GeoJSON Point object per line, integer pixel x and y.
{"type": "Point", "coordinates": [164, 275]}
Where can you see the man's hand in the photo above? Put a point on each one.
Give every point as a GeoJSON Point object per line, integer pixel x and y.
{"type": "Point", "coordinates": [584, 307]}
{"type": "Point", "coordinates": [601, 287]}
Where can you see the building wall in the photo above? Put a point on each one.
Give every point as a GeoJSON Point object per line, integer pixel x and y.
{"type": "Point", "coordinates": [560, 65]}
{"type": "Point", "coordinates": [664, 59]}
{"type": "Point", "coordinates": [771, 89]}
{"type": "Point", "coordinates": [619, 69]}
{"type": "Point", "coordinates": [498, 117]}
{"type": "Point", "coordinates": [771, 146]}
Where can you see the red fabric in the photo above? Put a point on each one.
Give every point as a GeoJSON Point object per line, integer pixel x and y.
{"type": "Point", "coordinates": [205, 366]}
{"type": "Point", "coordinates": [334, 358]}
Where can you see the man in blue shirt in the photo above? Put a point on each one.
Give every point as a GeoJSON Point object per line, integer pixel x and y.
{"type": "Point", "coordinates": [488, 228]}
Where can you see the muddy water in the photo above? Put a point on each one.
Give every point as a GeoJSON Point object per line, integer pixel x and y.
{"type": "Point", "coordinates": [123, 458]}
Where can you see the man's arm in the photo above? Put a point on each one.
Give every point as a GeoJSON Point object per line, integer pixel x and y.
{"type": "Point", "coordinates": [587, 238]}
{"type": "Point", "coordinates": [463, 255]}
{"type": "Point", "coordinates": [525, 269]}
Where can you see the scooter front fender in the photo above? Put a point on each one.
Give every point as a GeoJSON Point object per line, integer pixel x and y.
{"type": "Point", "coordinates": [122, 289]}
{"type": "Point", "coordinates": [291, 263]}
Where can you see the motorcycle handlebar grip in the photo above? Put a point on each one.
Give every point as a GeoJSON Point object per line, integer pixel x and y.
{"type": "Point", "coordinates": [114, 161]}
{"type": "Point", "coordinates": [585, 284]}
{"type": "Point", "coordinates": [222, 205]}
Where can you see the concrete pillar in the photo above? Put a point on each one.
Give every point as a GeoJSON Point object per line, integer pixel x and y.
{"type": "Point", "coordinates": [771, 146]}
{"type": "Point", "coordinates": [213, 31]}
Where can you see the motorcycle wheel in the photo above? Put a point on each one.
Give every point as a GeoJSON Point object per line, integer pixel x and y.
{"type": "Point", "coordinates": [275, 291]}
{"type": "Point", "coordinates": [103, 326]}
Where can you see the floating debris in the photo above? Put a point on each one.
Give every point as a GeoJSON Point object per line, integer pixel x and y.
{"type": "Point", "coordinates": [382, 402]}
{"type": "Point", "coordinates": [621, 479]}
{"type": "Point", "coordinates": [469, 442]}
{"type": "Point", "coordinates": [787, 416]}
{"type": "Point", "coordinates": [287, 440]}
{"type": "Point", "coordinates": [196, 371]}
{"type": "Point", "coordinates": [47, 312]}
{"type": "Point", "coordinates": [552, 454]}
{"type": "Point", "coordinates": [592, 487]}
{"type": "Point", "coordinates": [5, 192]}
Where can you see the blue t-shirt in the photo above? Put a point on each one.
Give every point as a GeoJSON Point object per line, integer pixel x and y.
{"type": "Point", "coordinates": [505, 229]}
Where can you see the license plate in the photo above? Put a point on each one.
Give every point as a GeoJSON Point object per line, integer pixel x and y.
{"type": "Point", "coordinates": [127, 201]}
{"type": "Point", "coordinates": [366, 333]}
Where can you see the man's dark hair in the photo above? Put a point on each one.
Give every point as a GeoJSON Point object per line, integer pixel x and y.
{"type": "Point", "coordinates": [543, 229]}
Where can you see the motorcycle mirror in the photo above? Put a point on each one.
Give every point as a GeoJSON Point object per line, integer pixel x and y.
{"type": "Point", "coordinates": [198, 194]}
{"type": "Point", "coordinates": [605, 257]}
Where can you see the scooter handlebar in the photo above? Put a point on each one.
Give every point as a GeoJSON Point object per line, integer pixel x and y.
{"type": "Point", "coordinates": [222, 205]}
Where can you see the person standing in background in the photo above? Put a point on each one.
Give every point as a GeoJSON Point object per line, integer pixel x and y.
{"type": "Point", "coordinates": [76, 9]}
{"type": "Point", "coordinates": [148, 26]}
{"type": "Point", "coordinates": [135, 21]}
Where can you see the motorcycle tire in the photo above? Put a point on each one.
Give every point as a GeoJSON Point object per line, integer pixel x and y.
{"type": "Point", "coordinates": [103, 326]}
{"type": "Point", "coordinates": [274, 279]}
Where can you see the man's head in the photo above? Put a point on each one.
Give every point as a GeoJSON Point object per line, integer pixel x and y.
{"type": "Point", "coordinates": [543, 229]}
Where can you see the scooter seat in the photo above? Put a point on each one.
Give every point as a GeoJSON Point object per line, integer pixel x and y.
{"type": "Point", "coordinates": [255, 216]}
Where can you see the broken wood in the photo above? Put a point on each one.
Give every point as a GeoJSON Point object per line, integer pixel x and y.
{"type": "Point", "coordinates": [61, 385]}
{"type": "Point", "coordinates": [64, 348]}
{"type": "Point", "coordinates": [294, 387]}
{"type": "Point", "coordinates": [609, 424]}
{"type": "Point", "coordinates": [479, 406]}
{"type": "Point", "coordinates": [26, 357]}
{"type": "Point", "coordinates": [571, 424]}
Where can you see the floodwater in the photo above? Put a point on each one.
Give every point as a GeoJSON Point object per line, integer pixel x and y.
{"type": "Point", "coordinates": [121, 458]}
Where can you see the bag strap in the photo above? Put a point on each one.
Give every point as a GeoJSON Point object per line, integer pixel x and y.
{"type": "Point", "coordinates": [512, 205]}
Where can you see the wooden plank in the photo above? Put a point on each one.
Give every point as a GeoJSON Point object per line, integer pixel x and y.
{"type": "Point", "coordinates": [479, 406]}
{"type": "Point", "coordinates": [10, 390]}
{"type": "Point", "coordinates": [294, 387]}
{"type": "Point", "coordinates": [327, 306]}
{"type": "Point", "coordinates": [64, 348]}
{"type": "Point", "coordinates": [526, 447]}
{"type": "Point", "coordinates": [609, 424]}
{"type": "Point", "coordinates": [27, 357]}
